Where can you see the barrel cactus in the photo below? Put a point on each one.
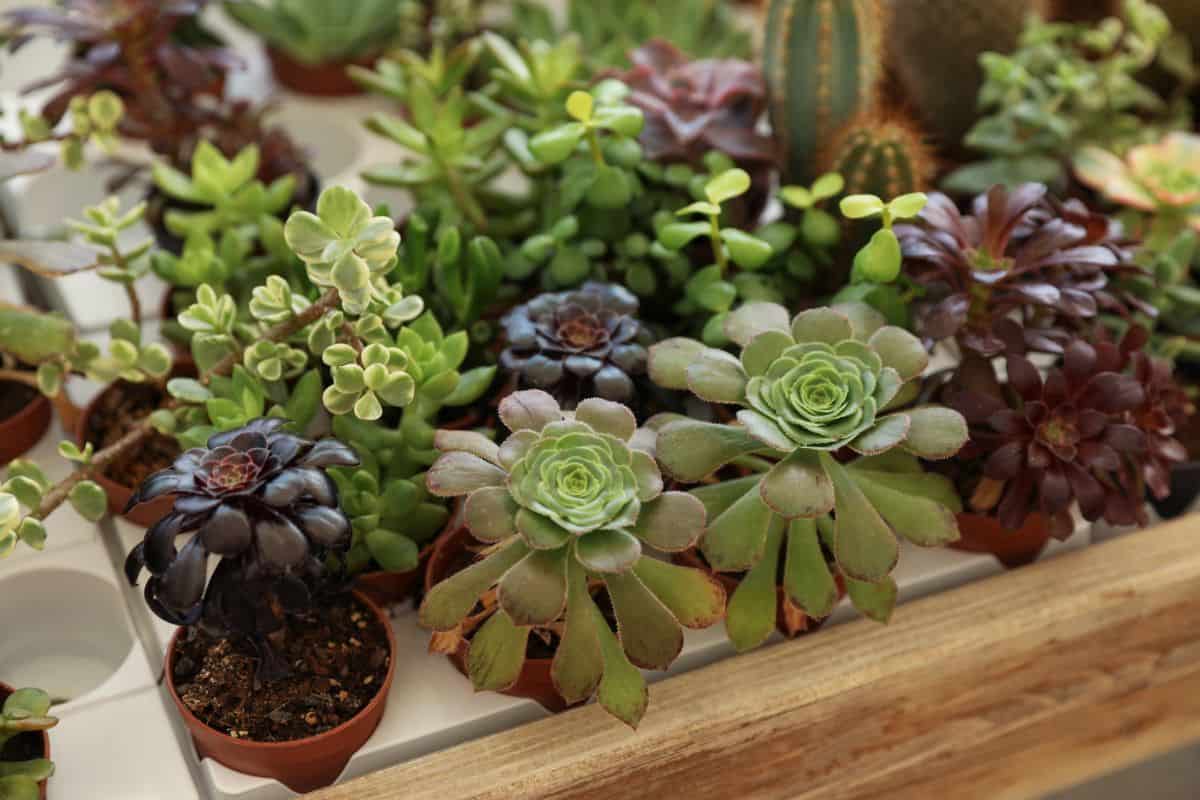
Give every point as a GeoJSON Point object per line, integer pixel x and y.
{"type": "Point", "coordinates": [886, 156]}
{"type": "Point", "coordinates": [823, 64]}
{"type": "Point", "coordinates": [830, 380]}
{"type": "Point", "coordinates": [566, 499]}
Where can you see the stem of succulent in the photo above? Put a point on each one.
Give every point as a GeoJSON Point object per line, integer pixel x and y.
{"type": "Point", "coordinates": [19, 376]}
{"type": "Point", "coordinates": [57, 494]}
{"type": "Point", "coordinates": [594, 144]}
{"type": "Point", "coordinates": [462, 196]}
{"type": "Point", "coordinates": [714, 233]}
{"type": "Point", "coordinates": [352, 337]}
{"type": "Point", "coordinates": [135, 304]}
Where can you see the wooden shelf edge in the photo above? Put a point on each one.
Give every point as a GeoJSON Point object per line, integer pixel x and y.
{"type": "Point", "coordinates": [1013, 686]}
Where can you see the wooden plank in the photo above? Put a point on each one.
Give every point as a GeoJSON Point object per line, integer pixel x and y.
{"type": "Point", "coordinates": [1010, 687]}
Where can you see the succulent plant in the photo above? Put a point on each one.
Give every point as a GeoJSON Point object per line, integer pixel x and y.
{"type": "Point", "coordinates": [692, 107]}
{"type": "Point", "coordinates": [315, 32]}
{"type": "Point", "coordinates": [823, 63]}
{"type": "Point", "coordinates": [24, 710]}
{"type": "Point", "coordinates": [1068, 86]}
{"type": "Point", "coordinates": [1080, 434]}
{"type": "Point", "coordinates": [565, 499]}
{"type": "Point", "coordinates": [1163, 178]}
{"type": "Point", "coordinates": [881, 155]}
{"type": "Point", "coordinates": [1019, 251]}
{"type": "Point", "coordinates": [831, 378]}
{"type": "Point", "coordinates": [260, 499]}
{"type": "Point", "coordinates": [343, 246]}
{"type": "Point", "coordinates": [583, 343]}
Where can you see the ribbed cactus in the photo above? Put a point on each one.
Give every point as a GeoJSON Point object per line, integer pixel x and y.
{"type": "Point", "coordinates": [934, 48]}
{"type": "Point", "coordinates": [823, 65]}
{"type": "Point", "coordinates": [883, 156]}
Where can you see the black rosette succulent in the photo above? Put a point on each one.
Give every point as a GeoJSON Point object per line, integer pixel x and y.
{"type": "Point", "coordinates": [259, 498]}
{"type": "Point", "coordinates": [583, 343]}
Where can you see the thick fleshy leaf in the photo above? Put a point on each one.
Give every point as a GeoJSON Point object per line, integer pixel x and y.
{"type": "Point", "coordinates": [690, 450]}
{"type": "Point", "coordinates": [717, 497]}
{"type": "Point", "coordinates": [717, 377]}
{"type": "Point", "coordinates": [608, 417]}
{"type": "Point", "coordinates": [765, 431]}
{"type": "Point", "coordinates": [874, 600]}
{"type": "Point", "coordinates": [490, 514]}
{"type": "Point", "coordinates": [935, 432]}
{"type": "Point", "coordinates": [451, 600]}
{"type": "Point", "coordinates": [456, 473]}
{"type": "Point", "coordinates": [646, 472]}
{"type": "Point", "coordinates": [758, 356]}
{"type": "Point", "coordinates": [900, 350]}
{"type": "Point", "coordinates": [514, 448]}
{"type": "Point", "coordinates": [622, 691]}
{"type": "Point", "coordinates": [471, 442]}
{"type": "Point", "coordinates": [671, 523]}
{"type": "Point", "coordinates": [530, 409]}
{"type": "Point", "coordinates": [750, 617]}
{"type": "Point", "coordinates": [280, 543]}
{"type": "Point", "coordinates": [650, 635]}
{"type": "Point", "coordinates": [534, 591]}
{"type": "Point", "coordinates": [806, 577]}
{"type": "Point", "coordinates": [695, 598]}
{"type": "Point", "coordinates": [669, 361]}
{"type": "Point", "coordinates": [735, 540]}
{"type": "Point", "coordinates": [889, 432]}
{"type": "Point", "coordinates": [497, 653]}
{"type": "Point", "coordinates": [864, 545]}
{"type": "Point", "coordinates": [821, 325]}
{"type": "Point", "coordinates": [921, 520]}
{"type": "Point", "coordinates": [577, 666]}
{"type": "Point", "coordinates": [752, 319]}
{"type": "Point", "coordinates": [864, 319]}
{"type": "Point", "coordinates": [608, 551]}
{"type": "Point", "coordinates": [798, 487]}
{"type": "Point", "coordinates": [539, 532]}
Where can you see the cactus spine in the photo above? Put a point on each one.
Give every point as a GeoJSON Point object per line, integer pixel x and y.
{"type": "Point", "coordinates": [883, 156]}
{"type": "Point", "coordinates": [934, 48]}
{"type": "Point", "coordinates": [823, 66]}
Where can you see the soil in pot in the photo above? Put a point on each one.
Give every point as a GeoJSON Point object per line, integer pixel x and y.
{"type": "Point", "coordinates": [112, 414]}
{"type": "Point", "coordinates": [339, 656]}
{"type": "Point", "coordinates": [1185, 477]}
{"type": "Point", "coordinates": [329, 79]}
{"type": "Point", "coordinates": [24, 418]}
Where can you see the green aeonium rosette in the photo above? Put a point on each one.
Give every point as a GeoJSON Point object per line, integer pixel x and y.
{"type": "Point", "coordinates": [832, 379]}
{"type": "Point", "coordinates": [570, 502]}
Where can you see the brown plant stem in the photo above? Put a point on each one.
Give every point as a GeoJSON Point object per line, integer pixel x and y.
{"type": "Point", "coordinates": [19, 376]}
{"type": "Point", "coordinates": [57, 494]}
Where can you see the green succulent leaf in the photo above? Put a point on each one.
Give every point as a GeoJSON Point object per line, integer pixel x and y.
{"type": "Point", "coordinates": [874, 600]}
{"type": "Point", "coordinates": [864, 545]}
{"type": "Point", "coordinates": [534, 591]}
{"type": "Point", "coordinates": [578, 666]}
{"type": "Point", "coordinates": [449, 602]}
{"type": "Point", "coordinates": [622, 691]}
{"type": "Point", "coordinates": [608, 551]}
{"type": "Point", "coordinates": [806, 577]}
{"type": "Point", "coordinates": [797, 487]}
{"type": "Point", "coordinates": [695, 598]}
{"type": "Point", "coordinates": [650, 635]}
{"type": "Point", "coordinates": [735, 539]}
{"type": "Point", "coordinates": [750, 618]}
{"type": "Point", "coordinates": [497, 653]}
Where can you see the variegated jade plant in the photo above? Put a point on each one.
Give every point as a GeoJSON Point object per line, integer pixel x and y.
{"type": "Point", "coordinates": [826, 383]}
{"type": "Point", "coordinates": [569, 503]}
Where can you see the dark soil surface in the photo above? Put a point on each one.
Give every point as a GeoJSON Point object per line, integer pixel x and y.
{"type": "Point", "coordinates": [339, 659]}
{"type": "Point", "coordinates": [118, 411]}
{"type": "Point", "coordinates": [23, 747]}
{"type": "Point", "coordinates": [14, 397]}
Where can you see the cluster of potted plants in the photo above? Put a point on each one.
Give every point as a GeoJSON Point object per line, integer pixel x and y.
{"type": "Point", "coordinates": [645, 356]}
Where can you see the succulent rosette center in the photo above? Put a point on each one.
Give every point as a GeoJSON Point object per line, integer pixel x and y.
{"type": "Point", "coordinates": [228, 471]}
{"type": "Point", "coordinates": [581, 480]}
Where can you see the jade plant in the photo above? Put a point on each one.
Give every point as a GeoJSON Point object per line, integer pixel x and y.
{"type": "Point", "coordinates": [829, 381]}
{"type": "Point", "coordinates": [1070, 85]}
{"type": "Point", "coordinates": [577, 344]}
{"type": "Point", "coordinates": [24, 711]}
{"type": "Point", "coordinates": [260, 499]}
{"type": "Point", "coordinates": [571, 502]}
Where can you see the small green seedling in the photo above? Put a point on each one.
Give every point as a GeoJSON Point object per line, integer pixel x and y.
{"type": "Point", "coordinates": [880, 259]}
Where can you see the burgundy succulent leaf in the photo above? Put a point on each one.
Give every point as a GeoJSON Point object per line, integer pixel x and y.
{"type": "Point", "coordinates": [582, 343]}
{"type": "Point", "coordinates": [257, 497]}
{"type": "Point", "coordinates": [692, 107]}
{"type": "Point", "coordinates": [1054, 265]}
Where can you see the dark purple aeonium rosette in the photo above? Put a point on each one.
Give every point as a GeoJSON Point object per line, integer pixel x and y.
{"type": "Point", "coordinates": [582, 343]}
{"type": "Point", "coordinates": [259, 498]}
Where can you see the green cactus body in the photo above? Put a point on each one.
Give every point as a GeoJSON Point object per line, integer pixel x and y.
{"type": "Point", "coordinates": [934, 48]}
{"type": "Point", "coordinates": [883, 157]}
{"type": "Point", "coordinates": [823, 67]}
{"type": "Point", "coordinates": [1185, 18]}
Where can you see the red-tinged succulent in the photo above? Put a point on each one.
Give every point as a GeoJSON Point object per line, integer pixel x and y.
{"type": "Point", "coordinates": [583, 343]}
{"type": "Point", "coordinates": [692, 107]}
{"type": "Point", "coordinates": [1162, 177]}
{"type": "Point", "coordinates": [1095, 430]}
{"type": "Point", "coordinates": [259, 498]}
{"type": "Point", "coordinates": [1019, 252]}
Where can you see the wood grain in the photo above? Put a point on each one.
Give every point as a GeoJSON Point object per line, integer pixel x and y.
{"type": "Point", "coordinates": [1007, 688]}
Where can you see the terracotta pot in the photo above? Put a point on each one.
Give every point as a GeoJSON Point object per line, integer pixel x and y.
{"type": "Point", "coordinates": [983, 534]}
{"type": "Point", "coordinates": [24, 429]}
{"type": "Point", "coordinates": [303, 765]}
{"type": "Point", "coordinates": [320, 80]}
{"type": "Point", "coordinates": [1185, 487]}
{"type": "Point", "coordinates": [788, 620]}
{"type": "Point", "coordinates": [389, 588]}
{"type": "Point", "coordinates": [534, 682]}
{"type": "Point", "coordinates": [5, 691]}
{"type": "Point", "coordinates": [144, 514]}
